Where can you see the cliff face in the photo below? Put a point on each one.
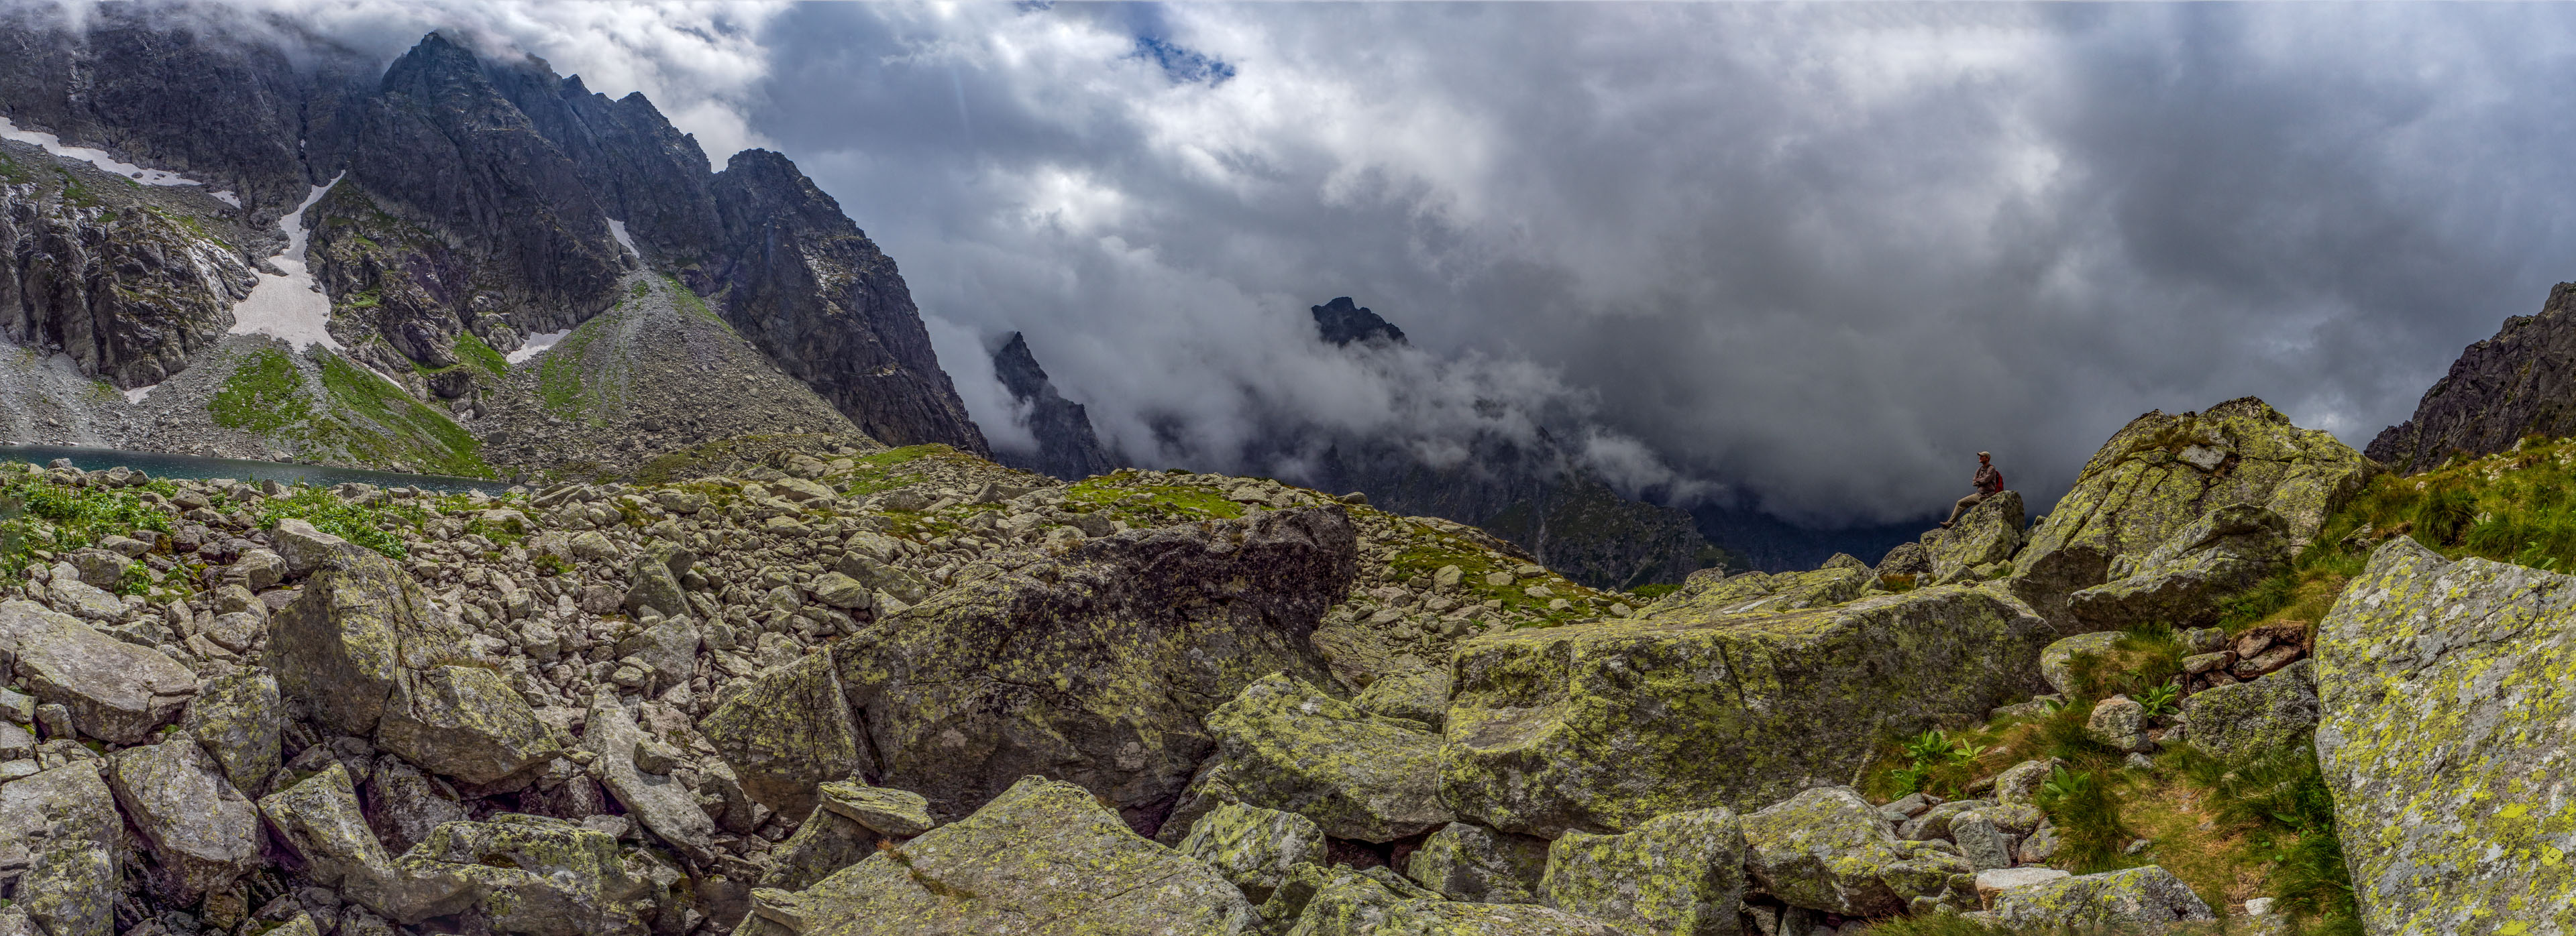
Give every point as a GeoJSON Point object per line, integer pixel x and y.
{"type": "Point", "coordinates": [641, 170]}
{"type": "Point", "coordinates": [807, 287]}
{"type": "Point", "coordinates": [2520, 382]}
{"type": "Point", "coordinates": [1067, 446]}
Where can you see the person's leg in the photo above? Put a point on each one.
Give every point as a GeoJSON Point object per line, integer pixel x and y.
{"type": "Point", "coordinates": [1962, 507]}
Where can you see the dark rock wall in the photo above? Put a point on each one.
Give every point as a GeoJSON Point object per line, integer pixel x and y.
{"type": "Point", "coordinates": [1067, 446]}
{"type": "Point", "coordinates": [2518, 383]}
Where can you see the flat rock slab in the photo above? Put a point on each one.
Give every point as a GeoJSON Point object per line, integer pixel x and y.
{"type": "Point", "coordinates": [117, 692]}
{"type": "Point", "coordinates": [1287, 746]}
{"type": "Point", "coordinates": [204, 833]}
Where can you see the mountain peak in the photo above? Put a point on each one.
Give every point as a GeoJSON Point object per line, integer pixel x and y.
{"type": "Point", "coordinates": [1342, 322]}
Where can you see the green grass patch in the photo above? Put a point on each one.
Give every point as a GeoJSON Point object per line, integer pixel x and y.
{"type": "Point", "coordinates": [559, 377]}
{"type": "Point", "coordinates": [412, 432]}
{"type": "Point", "coordinates": [263, 394]}
{"type": "Point", "coordinates": [374, 526]}
{"type": "Point", "coordinates": [474, 351]}
{"type": "Point", "coordinates": [689, 302]}
{"type": "Point", "coordinates": [39, 515]}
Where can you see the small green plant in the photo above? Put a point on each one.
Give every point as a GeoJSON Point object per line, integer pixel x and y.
{"type": "Point", "coordinates": [1928, 746]}
{"type": "Point", "coordinates": [370, 526]}
{"type": "Point", "coordinates": [1964, 753]}
{"type": "Point", "coordinates": [2087, 814]}
{"type": "Point", "coordinates": [1908, 779]}
{"type": "Point", "coordinates": [2160, 701]}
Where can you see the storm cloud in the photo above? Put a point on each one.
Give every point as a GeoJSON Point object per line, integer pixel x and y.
{"type": "Point", "coordinates": [1814, 257]}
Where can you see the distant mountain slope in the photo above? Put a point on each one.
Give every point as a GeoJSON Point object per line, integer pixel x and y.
{"type": "Point", "coordinates": [2520, 382]}
{"type": "Point", "coordinates": [1068, 449]}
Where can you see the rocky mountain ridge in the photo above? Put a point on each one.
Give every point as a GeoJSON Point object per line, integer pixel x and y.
{"type": "Point", "coordinates": [2522, 382]}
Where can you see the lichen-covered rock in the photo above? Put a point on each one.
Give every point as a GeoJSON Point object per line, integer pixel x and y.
{"type": "Point", "coordinates": [1348, 903]}
{"type": "Point", "coordinates": [525, 875]}
{"type": "Point", "coordinates": [2020, 783]}
{"type": "Point", "coordinates": [203, 832]}
{"type": "Point", "coordinates": [2444, 732]}
{"type": "Point", "coordinates": [2247, 719]}
{"type": "Point", "coordinates": [790, 730]}
{"type": "Point", "coordinates": [355, 629]}
{"type": "Point", "coordinates": [1826, 849]}
{"type": "Point", "coordinates": [1288, 746]}
{"type": "Point", "coordinates": [665, 806]}
{"type": "Point", "coordinates": [2150, 897]}
{"type": "Point", "coordinates": [308, 550]}
{"type": "Point", "coordinates": [64, 825]}
{"type": "Point", "coordinates": [1043, 857]}
{"type": "Point", "coordinates": [116, 692]}
{"type": "Point", "coordinates": [238, 717]}
{"type": "Point", "coordinates": [1681, 874]}
{"type": "Point", "coordinates": [2120, 722]}
{"type": "Point", "coordinates": [888, 811]}
{"type": "Point", "coordinates": [1603, 725]}
{"type": "Point", "coordinates": [1466, 861]}
{"type": "Point", "coordinates": [848, 821]}
{"type": "Point", "coordinates": [464, 722]}
{"type": "Point", "coordinates": [1980, 841]}
{"type": "Point", "coordinates": [1707, 592]}
{"type": "Point", "coordinates": [1254, 847]}
{"type": "Point", "coordinates": [404, 805]}
{"type": "Point", "coordinates": [2160, 473]}
{"type": "Point", "coordinates": [320, 822]}
{"type": "Point", "coordinates": [669, 649]}
{"type": "Point", "coordinates": [654, 582]}
{"type": "Point", "coordinates": [1988, 533]}
{"type": "Point", "coordinates": [1419, 695]}
{"type": "Point", "coordinates": [2057, 661]}
{"type": "Point", "coordinates": [2182, 581]}
{"type": "Point", "coordinates": [1095, 665]}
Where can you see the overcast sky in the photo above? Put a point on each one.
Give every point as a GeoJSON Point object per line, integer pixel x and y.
{"type": "Point", "coordinates": [1816, 256]}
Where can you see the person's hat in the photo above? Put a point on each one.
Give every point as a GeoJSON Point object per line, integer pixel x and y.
{"type": "Point", "coordinates": [1985, 454]}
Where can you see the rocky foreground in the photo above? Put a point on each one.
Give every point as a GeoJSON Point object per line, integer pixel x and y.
{"type": "Point", "coordinates": [840, 689]}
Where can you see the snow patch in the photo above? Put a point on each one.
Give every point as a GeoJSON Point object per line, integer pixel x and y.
{"type": "Point", "coordinates": [537, 344]}
{"type": "Point", "coordinates": [97, 157]}
{"type": "Point", "coordinates": [227, 197]}
{"type": "Point", "coordinates": [136, 395]}
{"type": "Point", "coordinates": [289, 306]}
{"type": "Point", "coordinates": [617, 229]}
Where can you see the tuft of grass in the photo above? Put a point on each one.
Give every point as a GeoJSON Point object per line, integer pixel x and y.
{"type": "Point", "coordinates": [371, 526]}
{"type": "Point", "coordinates": [263, 394]}
{"type": "Point", "coordinates": [479, 354]}
{"type": "Point", "coordinates": [2279, 801]}
{"type": "Point", "coordinates": [2087, 812]}
{"type": "Point", "coordinates": [410, 431]}
{"type": "Point", "coordinates": [37, 514]}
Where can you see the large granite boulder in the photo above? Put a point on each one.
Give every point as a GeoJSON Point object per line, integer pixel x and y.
{"type": "Point", "coordinates": [1681, 874]}
{"type": "Point", "coordinates": [1096, 665]}
{"type": "Point", "coordinates": [320, 823]}
{"type": "Point", "coordinates": [2161, 472]}
{"type": "Point", "coordinates": [239, 718]}
{"type": "Point", "coordinates": [1466, 861]}
{"type": "Point", "coordinates": [788, 732]}
{"type": "Point", "coordinates": [466, 723]}
{"type": "Point", "coordinates": [62, 826]}
{"type": "Point", "coordinates": [1604, 725]}
{"type": "Point", "coordinates": [117, 692]}
{"type": "Point", "coordinates": [666, 807]}
{"type": "Point", "coordinates": [1285, 745]}
{"type": "Point", "coordinates": [1348, 903]}
{"type": "Point", "coordinates": [1988, 533]}
{"type": "Point", "coordinates": [2248, 719]}
{"type": "Point", "coordinates": [2182, 581]}
{"type": "Point", "coordinates": [1043, 857]}
{"type": "Point", "coordinates": [2444, 731]}
{"type": "Point", "coordinates": [524, 875]}
{"type": "Point", "coordinates": [1828, 849]}
{"type": "Point", "coordinates": [359, 625]}
{"type": "Point", "coordinates": [203, 832]}
{"type": "Point", "coordinates": [2148, 899]}
{"type": "Point", "coordinates": [1254, 847]}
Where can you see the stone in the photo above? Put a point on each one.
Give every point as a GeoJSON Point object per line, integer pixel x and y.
{"type": "Point", "coordinates": [788, 731]}
{"type": "Point", "coordinates": [1468, 862]}
{"type": "Point", "coordinates": [1348, 903]}
{"type": "Point", "coordinates": [1043, 857]}
{"type": "Point", "coordinates": [1288, 746]}
{"type": "Point", "coordinates": [114, 691]}
{"type": "Point", "coordinates": [592, 547]}
{"type": "Point", "coordinates": [1994, 882]}
{"type": "Point", "coordinates": [2039, 847]}
{"type": "Point", "coordinates": [1564, 728]}
{"type": "Point", "coordinates": [2056, 662]}
{"type": "Point", "coordinates": [1988, 533]}
{"type": "Point", "coordinates": [2136, 493]}
{"type": "Point", "coordinates": [238, 631]}
{"type": "Point", "coordinates": [652, 584]}
{"type": "Point", "coordinates": [62, 825]}
{"type": "Point", "coordinates": [101, 568]}
{"type": "Point", "coordinates": [877, 576]}
{"type": "Point", "coordinates": [352, 633]}
{"type": "Point", "coordinates": [1081, 665]}
{"type": "Point", "coordinates": [2249, 719]}
{"type": "Point", "coordinates": [885, 810]}
{"type": "Point", "coordinates": [1985, 846]}
{"type": "Point", "coordinates": [2020, 783]}
{"type": "Point", "coordinates": [1254, 847]}
{"type": "Point", "coordinates": [308, 550]}
{"type": "Point", "coordinates": [825, 843]}
{"type": "Point", "coordinates": [1826, 849]}
{"type": "Point", "coordinates": [2120, 722]}
{"type": "Point", "coordinates": [839, 591]}
{"type": "Point", "coordinates": [1934, 823]}
{"type": "Point", "coordinates": [1681, 873]}
{"type": "Point", "coordinates": [2444, 732]}
{"type": "Point", "coordinates": [320, 822]}
{"type": "Point", "coordinates": [259, 570]}
{"type": "Point", "coordinates": [1418, 695]}
{"type": "Point", "coordinates": [668, 649]}
{"type": "Point", "coordinates": [2197, 664]}
{"type": "Point", "coordinates": [464, 722]}
{"type": "Point", "coordinates": [2150, 896]}
{"type": "Point", "coordinates": [660, 801]}
{"type": "Point", "coordinates": [2183, 580]}
{"type": "Point", "coordinates": [204, 833]}
{"type": "Point", "coordinates": [85, 600]}
{"type": "Point", "coordinates": [525, 875]}
{"type": "Point", "coordinates": [404, 806]}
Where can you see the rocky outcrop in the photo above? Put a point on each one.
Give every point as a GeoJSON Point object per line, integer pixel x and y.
{"type": "Point", "coordinates": [1681, 873]}
{"type": "Point", "coordinates": [2443, 733]}
{"type": "Point", "coordinates": [2181, 582]}
{"type": "Point", "coordinates": [2521, 382]}
{"type": "Point", "coordinates": [1286, 746]}
{"type": "Point", "coordinates": [1567, 728]}
{"type": "Point", "coordinates": [805, 285]}
{"type": "Point", "coordinates": [1987, 534]}
{"type": "Point", "coordinates": [1044, 856]}
{"type": "Point", "coordinates": [642, 171]}
{"type": "Point", "coordinates": [1342, 322]}
{"type": "Point", "coordinates": [1067, 447]}
{"type": "Point", "coordinates": [1095, 667]}
{"type": "Point", "coordinates": [2161, 473]}
{"type": "Point", "coordinates": [1827, 849]}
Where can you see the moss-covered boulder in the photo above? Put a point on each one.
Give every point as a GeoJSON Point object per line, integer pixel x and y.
{"type": "Point", "coordinates": [1254, 847]}
{"type": "Point", "coordinates": [2251, 718]}
{"type": "Point", "coordinates": [526, 875]}
{"type": "Point", "coordinates": [2181, 582]}
{"type": "Point", "coordinates": [2444, 730]}
{"type": "Point", "coordinates": [203, 833]}
{"type": "Point", "coordinates": [1988, 533]}
{"type": "Point", "coordinates": [2161, 472]}
{"type": "Point", "coordinates": [1681, 874]}
{"type": "Point", "coordinates": [1601, 726]}
{"type": "Point", "coordinates": [239, 718]}
{"type": "Point", "coordinates": [1043, 857]}
{"type": "Point", "coordinates": [1466, 861]}
{"type": "Point", "coordinates": [1827, 849]}
{"type": "Point", "coordinates": [786, 733]}
{"type": "Point", "coordinates": [359, 625]}
{"type": "Point", "coordinates": [1349, 903]}
{"type": "Point", "coordinates": [62, 824]}
{"type": "Point", "coordinates": [2147, 899]}
{"type": "Point", "coordinates": [1285, 745]}
{"type": "Point", "coordinates": [464, 722]}
{"type": "Point", "coordinates": [1094, 665]}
